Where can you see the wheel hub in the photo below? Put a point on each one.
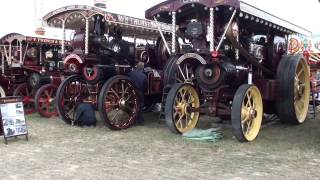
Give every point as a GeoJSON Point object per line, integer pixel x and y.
{"type": "Point", "coordinates": [122, 102]}
{"type": "Point", "coordinates": [50, 100]}
{"type": "Point", "coordinates": [299, 86]}
{"type": "Point", "coordinates": [182, 108]}
{"type": "Point", "coordinates": [252, 113]}
{"type": "Point", "coordinates": [249, 113]}
{"type": "Point", "coordinates": [300, 89]}
{"type": "Point", "coordinates": [26, 99]}
{"type": "Point", "coordinates": [89, 71]}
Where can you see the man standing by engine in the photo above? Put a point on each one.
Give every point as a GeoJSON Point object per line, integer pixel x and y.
{"type": "Point", "coordinates": [140, 81]}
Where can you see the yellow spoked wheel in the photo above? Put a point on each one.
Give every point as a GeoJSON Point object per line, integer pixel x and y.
{"type": "Point", "coordinates": [301, 90]}
{"type": "Point", "coordinates": [247, 113]}
{"type": "Point", "coordinates": [180, 100]}
{"type": "Point", "coordinates": [294, 77]}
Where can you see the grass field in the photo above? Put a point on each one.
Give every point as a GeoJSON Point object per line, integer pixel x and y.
{"type": "Point", "coordinates": [58, 151]}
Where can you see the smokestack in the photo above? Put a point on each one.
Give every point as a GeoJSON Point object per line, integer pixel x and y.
{"type": "Point", "coordinates": [100, 3]}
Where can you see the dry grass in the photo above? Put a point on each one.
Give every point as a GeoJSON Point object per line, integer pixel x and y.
{"type": "Point", "coordinates": [58, 151]}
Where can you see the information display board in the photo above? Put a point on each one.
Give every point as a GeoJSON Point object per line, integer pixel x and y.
{"type": "Point", "coordinates": [13, 122]}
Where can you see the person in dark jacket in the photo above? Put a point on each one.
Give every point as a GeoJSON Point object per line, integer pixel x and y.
{"type": "Point", "coordinates": [85, 114]}
{"type": "Point", "coordinates": [140, 81]}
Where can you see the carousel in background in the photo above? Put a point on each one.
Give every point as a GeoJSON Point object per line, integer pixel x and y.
{"type": "Point", "coordinates": [314, 61]}
{"type": "Point", "coordinates": [310, 47]}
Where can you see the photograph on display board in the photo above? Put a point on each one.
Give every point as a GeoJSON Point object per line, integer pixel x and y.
{"type": "Point", "coordinates": [13, 120]}
{"type": "Point", "coordinates": [9, 132]}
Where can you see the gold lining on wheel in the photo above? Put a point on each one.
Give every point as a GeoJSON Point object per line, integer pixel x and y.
{"type": "Point", "coordinates": [301, 90]}
{"type": "Point", "coordinates": [186, 97]}
{"type": "Point", "coordinates": [251, 113]}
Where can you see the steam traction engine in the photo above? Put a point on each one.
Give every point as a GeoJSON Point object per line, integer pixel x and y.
{"type": "Point", "coordinates": [29, 69]}
{"type": "Point", "coordinates": [105, 47]}
{"type": "Point", "coordinates": [233, 65]}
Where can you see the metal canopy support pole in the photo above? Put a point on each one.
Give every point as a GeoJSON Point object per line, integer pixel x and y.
{"type": "Point", "coordinates": [162, 36]}
{"type": "Point", "coordinates": [211, 31]}
{"type": "Point", "coordinates": [25, 52]}
{"type": "Point", "coordinates": [173, 48]}
{"type": "Point", "coordinates": [237, 50]}
{"type": "Point", "coordinates": [20, 42]}
{"type": "Point", "coordinates": [225, 31]}
{"type": "Point", "coordinates": [288, 44]}
{"type": "Point", "coordinates": [86, 47]}
{"type": "Point", "coordinates": [135, 43]}
{"type": "Point", "coordinates": [313, 100]}
{"type": "Point", "coordinates": [250, 75]}
{"type": "Point", "coordinates": [2, 61]}
{"type": "Point", "coordinates": [41, 54]}
{"type": "Point", "coordinates": [63, 36]}
{"type": "Point", "coordinates": [10, 54]}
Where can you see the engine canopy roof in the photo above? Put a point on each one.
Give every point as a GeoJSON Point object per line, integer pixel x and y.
{"type": "Point", "coordinates": [13, 37]}
{"type": "Point", "coordinates": [74, 17]}
{"type": "Point", "coordinates": [163, 10]}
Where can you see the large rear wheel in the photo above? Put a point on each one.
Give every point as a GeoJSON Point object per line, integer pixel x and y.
{"type": "Point", "coordinates": [45, 100]}
{"type": "Point", "coordinates": [119, 103]}
{"type": "Point", "coordinates": [27, 95]}
{"type": "Point", "coordinates": [178, 114]}
{"type": "Point", "coordinates": [70, 92]}
{"type": "Point", "coordinates": [247, 113]}
{"type": "Point", "coordinates": [294, 76]}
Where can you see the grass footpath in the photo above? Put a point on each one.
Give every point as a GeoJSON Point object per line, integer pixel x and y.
{"type": "Point", "coordinates": [58, 151]}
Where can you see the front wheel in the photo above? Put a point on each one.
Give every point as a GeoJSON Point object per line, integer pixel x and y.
{"type": "Point", "coordinates": [26, 93]}
{"type": "Point", "coordinates": [180, 100]}
{"type": "Point", "coordinates": [45, 100]}
{"type": "Point", "coordinates": [247, 113]}
{"type": "Point", "coordinates": [119, 103]}
{"type": "Point", "coordinates": [71, 91]}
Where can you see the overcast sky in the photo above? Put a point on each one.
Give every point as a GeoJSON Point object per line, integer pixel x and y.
{"type": "Point", "coordinates": [20, 16]}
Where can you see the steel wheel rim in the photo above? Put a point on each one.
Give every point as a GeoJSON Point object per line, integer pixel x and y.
{"type": "Point", "coordinates": [301, 90]}
{"type": "Point", "coordinates": [251, 113]}
{"type": "Point", "coordinates": [121, 103]}
{"type": "Point", "coordinates": [186, 97]}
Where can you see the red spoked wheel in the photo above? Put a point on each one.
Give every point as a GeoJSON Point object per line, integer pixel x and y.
{"type": "Point", "coordinates": [70, 92]}
{"type": "Point", "coordinates": [119, 103]}
{"type": "Point", "coordinates": [45, 100]}
{"type": "Point", "coordinates": [26, 93]}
